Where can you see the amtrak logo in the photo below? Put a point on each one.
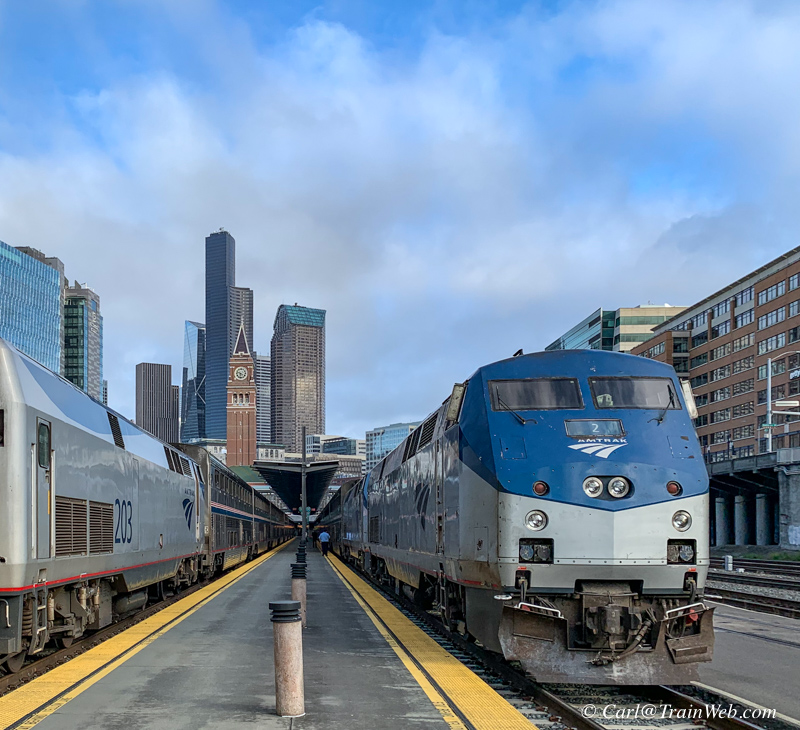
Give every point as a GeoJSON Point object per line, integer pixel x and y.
{"type": "Point", "coordinates": [188, 511]}
{"type": "Point", "coordinates": [603, 449]}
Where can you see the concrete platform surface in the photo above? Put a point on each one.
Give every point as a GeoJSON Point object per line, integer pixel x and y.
{"type": "Point", "coordinates": [757, 658]}
{"type": "Point", "coordinates": [215, 668]}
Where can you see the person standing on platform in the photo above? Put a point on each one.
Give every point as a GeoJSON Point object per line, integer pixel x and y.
{"type": "Point", "coordinates": [324, 541]}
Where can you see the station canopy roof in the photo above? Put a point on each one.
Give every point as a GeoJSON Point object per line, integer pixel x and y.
{"type": "Point", "coordinates": [285, 478]}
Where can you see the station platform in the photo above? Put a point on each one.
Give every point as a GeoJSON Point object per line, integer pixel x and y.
{"type": "Point", "coordinates": [207, 662]}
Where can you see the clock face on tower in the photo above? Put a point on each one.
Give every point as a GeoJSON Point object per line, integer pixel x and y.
{"type": "Point", "coordinates": [240, 373]}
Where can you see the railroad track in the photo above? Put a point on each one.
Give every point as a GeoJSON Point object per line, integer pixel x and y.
{"type": "Point", "coordinates": [718, 588]}
{"type": "Point", "coordinates": [755, 579]}
{"type": "Point", "coordinates": [556, 707]}
{"type": "Point", "coordinates": [50, 659]}
{"type": "Point", "coordinates": [773, 567]}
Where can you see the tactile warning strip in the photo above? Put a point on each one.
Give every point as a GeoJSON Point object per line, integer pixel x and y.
{"type": "Point", "coordinates": [30, 704]}
{"type": "Point", "coordinates": [473, 701]}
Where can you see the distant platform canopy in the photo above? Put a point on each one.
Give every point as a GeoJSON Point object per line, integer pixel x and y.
{"type": "Point", "coordinates": [285, 478]}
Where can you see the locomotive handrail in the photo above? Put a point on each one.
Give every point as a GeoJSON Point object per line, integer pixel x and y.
{"type": "Point", "coordinates": [543, 609]}
{"type": "Point", "coordinates": [683, 610]}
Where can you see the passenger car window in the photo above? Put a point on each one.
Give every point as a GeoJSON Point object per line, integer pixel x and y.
{"type": "Point", "coordinates": [43, 446]}
{"type": "Point", "coordinates": [652, 393]}
{"type": "Point", "coordinates": [535, 394]}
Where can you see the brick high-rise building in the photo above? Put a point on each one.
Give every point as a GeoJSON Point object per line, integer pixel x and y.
{"type": "Point", "coordinates": [241, 407]}
{"type": "Point", "coordinates": [723, 345]}
{"type": "Point", "coordinates": [298, 375]}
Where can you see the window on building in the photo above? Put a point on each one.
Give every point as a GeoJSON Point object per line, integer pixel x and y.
{"type": "Point", "coordinates": [701, 400]}
{"type": "Point", "coordinates": [794, 308]}
{"type": "Point", "coordinates": [723, 328]}
{"type": "Point", "coordinates": [773, 292]}
{"type": "Point", "coordinates": [701, 421]}
{"type": "Point", "coordinates": [742, 409]}
{"type": "Point", "coordinates": [720, 373]}
{"type": "Point", "coordinates": [721, 351]}
{"type": "Point", "coordinates": [772, 343]}
{"type": "Point", "coordinates": [699, 380]}
{"type": "Point", "coordinates": [745, 341]}
{"type": "Point", "coordinates": [680, 344]}
{"type": "Point", "coordinates": [721, 308]}
{"type": "Point", "coordinates": [721, 415]}
{"type": "Point", "coordinates": [744, 386]}
{"type": "Point", "coordinates": [700, 339]}
{"type": "Point", "coordinates": [720, 394]}
{"type": "Point", "coordinates": [744, 296]}
{"type": "Point", "coordinates": [794, 334]}
{"type": "Point", "coordinates": [744, 318]}
{"type": "Point", "coordinates": [771, 318]}
{"type": "Point", "coordinates": [699, 360]}
{"type": "Point", "coordinates": [746, 363]}
{"type": "Point", "coordinates": [794, 281]}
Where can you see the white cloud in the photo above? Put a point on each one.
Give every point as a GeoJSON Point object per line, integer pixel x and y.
{"type": "Point", "coordinates": [445, 209]}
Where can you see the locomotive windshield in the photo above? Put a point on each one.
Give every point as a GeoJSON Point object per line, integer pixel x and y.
{"type": "Point", "coordinates": [653, 393]}
{"type": "Point", "coordinates": [535, 394]}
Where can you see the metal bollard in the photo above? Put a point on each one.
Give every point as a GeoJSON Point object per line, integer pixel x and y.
{"type": "Point", "coordinates": [301, 556]}
{"type": "Point", "coordinates": [288, 641]}
{"type": "Point", "coordinates": [728, 562]}
{"type": "Point", "coordinates": [299, 588]}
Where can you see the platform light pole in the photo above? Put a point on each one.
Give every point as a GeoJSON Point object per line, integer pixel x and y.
{"type": "Point", "coordinates": [303, 496]}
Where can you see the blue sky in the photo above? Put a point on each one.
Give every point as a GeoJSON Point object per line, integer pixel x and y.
{"type": "Point", "coordinates": [450, 180]}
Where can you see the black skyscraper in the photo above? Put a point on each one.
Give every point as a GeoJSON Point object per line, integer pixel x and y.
{"type": "Point", "coordinates": [220, 280]}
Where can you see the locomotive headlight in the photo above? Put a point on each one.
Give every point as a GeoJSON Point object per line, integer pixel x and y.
{"type": "Point", "coordinates": [593, 486]}
{"type": "Point", "coordinates": [618, 487]}
{"type": "Point", "coordinates": [536, 520]}
{"type": "Point", "coordinates": [681, 520]}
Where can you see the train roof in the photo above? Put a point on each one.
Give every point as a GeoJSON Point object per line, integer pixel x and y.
{"type": "Point", "coordinates": [56, 396]}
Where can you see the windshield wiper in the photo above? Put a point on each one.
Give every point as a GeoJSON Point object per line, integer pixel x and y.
{"type": "Point", "coordinates": [660, 418]}
{"type": "Point", "coordinates": [518, 416]}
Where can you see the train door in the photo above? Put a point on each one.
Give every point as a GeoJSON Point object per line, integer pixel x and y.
{"type": "Point", "coordinates": [43, 512]}
{"type": "Point", "coordinates": [438, 480]}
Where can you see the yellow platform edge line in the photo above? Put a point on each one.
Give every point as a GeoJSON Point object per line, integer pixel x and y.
{"type": "Point", "coordinates": [433, 695]}
{"type": "Point", "coordinates": [36, 700]}
{"type": "Point", "coordinates": [481, 705]}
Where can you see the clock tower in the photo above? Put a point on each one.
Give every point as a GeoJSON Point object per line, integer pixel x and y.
{"type": "Point", "coordinates": [241, 404]}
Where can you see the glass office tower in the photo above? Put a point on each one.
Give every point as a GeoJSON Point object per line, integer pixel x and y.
{"type": "Point", "coordinates": [381, 441]}
{"type": "Point", "coordinates": [220, 280]}
{"type": "Point", "coordinates": [31, 301]}
{"type": "Point", "coordinates": [83, 340]}
{"type": "Point", "coordinates": [193, 407]}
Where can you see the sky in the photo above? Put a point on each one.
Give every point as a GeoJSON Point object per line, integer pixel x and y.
{"type": "Point", "coordinates": [451, 181]}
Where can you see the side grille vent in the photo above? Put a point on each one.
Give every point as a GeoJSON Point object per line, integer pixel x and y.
{"type": "Point", "coordinates": [374, 529]}
{"type": "Point", "coordinates": [101, 527]}
{"type": "Point", "coordinates": [411, 444]}
{"type": "Point", "coordinates": [426, 435]}
{"type": "Point", "coordinates": [169, 454]}
{"type": "Point", "coordinates": [187, 469]}
{"type": "Point", "coordinates": [115, 431]}
{"type": "Point", "coordinates": [71, 526]}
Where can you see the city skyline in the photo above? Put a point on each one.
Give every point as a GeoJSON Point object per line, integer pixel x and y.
{"type": "Point", "coordinates": [464, 172]}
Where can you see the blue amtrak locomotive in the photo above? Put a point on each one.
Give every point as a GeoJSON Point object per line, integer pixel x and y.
{"type": "Point", "coordinates": [555, 508]}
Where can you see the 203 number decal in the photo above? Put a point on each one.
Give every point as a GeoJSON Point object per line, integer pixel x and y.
{"type": "Point", "coordinates": [123, 532]}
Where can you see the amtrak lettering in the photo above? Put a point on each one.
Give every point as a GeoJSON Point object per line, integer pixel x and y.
{"type": "Point", "coordinates": [600, 447]}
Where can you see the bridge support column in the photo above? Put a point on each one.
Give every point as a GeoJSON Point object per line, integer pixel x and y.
{"type": "Point", "coordinates": [789, 495]}
{"type": "Point", "coordinates": [740, 520]}
{"type": "Point", "coordinates": [722, 522]}
{"type": "Point", "coordinates": [764, 529]}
